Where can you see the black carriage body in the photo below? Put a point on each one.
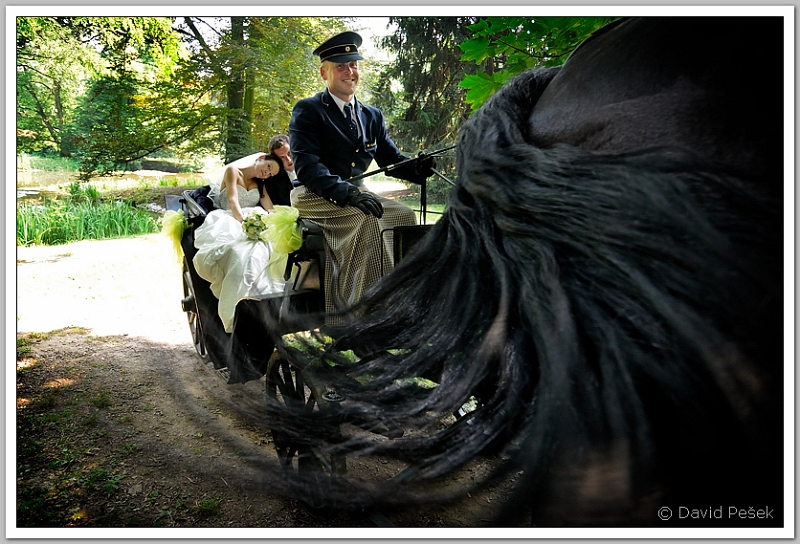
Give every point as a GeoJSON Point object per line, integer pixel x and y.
{"type": "Point", "coordinates": [244, 354]}
{"type": "Point", "coordinates": [249, 346]}
{"type": "Point", "coordinates": [248, 353]}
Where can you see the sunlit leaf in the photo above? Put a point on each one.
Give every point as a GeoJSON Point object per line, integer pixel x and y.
{"type": "Point", "coordinates": [474, 50]}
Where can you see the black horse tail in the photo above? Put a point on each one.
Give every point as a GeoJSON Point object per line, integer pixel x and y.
{"type": "Point", "coordinates": [616, 318]}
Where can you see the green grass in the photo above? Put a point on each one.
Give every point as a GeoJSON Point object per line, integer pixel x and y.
{"type": "Point", "coordinates": [111, 207]}
{"type": "Point", "coordinates": [51, 164]}
{"type": "Point", "coordinates": [82, 192]}
{"type": "Point", "coordinates": [174, 181]}
{"type": "Point", "coordinates": [23, 347]}
{"type": "Point", "coordinates": [434, 210]}
{"type": "Point", "coordinates": [101, 478]}
{"type": "Point", "coordinates": [208, 506]}
{"type": "Point", "coordinates": [58, 222]}
{"type": "Point", "coordinates": [102, 400]}
{"type": "Point", "coordinates": [87, 212]}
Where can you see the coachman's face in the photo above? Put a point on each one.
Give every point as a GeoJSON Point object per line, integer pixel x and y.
{"type": "Point", "coordinates": [341, 77]}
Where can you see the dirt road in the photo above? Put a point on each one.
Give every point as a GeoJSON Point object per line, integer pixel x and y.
{"type": "Point", "coordinates": [120, 424]}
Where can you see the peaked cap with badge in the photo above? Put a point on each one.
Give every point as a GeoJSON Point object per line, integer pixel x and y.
{"type": "Point", "coordinates": [340, 48]}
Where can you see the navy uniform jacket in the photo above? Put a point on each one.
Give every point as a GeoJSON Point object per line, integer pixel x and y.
{"type": "Point", "coordinates": [324, 152]}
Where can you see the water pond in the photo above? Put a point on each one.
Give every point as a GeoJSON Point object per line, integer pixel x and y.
{"type": "Point", "coordinates": [34, 183]}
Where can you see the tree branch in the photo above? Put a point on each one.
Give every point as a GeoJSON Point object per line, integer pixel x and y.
{"type": "Point", "coordinates": [206, 49]}
{"type": "Point", "coordinates": [43, 115]}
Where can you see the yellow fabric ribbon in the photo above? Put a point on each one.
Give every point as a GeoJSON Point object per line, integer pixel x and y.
{"type": "Point", "coordinates": [173, 223]}
{"type": "Point", "coordinates": [278, 228]}
{"type": "Point", "coordinates": [284, 235]}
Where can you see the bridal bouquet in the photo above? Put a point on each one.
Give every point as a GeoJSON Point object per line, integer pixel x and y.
{"type": "Point", "coordinates": [255, 226]}
{"type": "Point", "coordinates": [280, 230]}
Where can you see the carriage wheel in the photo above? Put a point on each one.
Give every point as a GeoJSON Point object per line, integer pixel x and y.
{"type": "Point", "coordinates": [294, 389]}
{"type": "Point", "coordinates": [189, 305]}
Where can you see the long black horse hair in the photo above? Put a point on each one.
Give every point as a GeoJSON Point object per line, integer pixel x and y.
{"type": "Point", "coordinates": [616, 318]}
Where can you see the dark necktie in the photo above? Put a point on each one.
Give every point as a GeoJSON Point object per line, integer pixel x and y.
{"type": "Point", "coordinates": [348, 114]}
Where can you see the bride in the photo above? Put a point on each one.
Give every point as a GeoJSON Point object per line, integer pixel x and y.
{"type": "Point", "coordinates": [235, 265]}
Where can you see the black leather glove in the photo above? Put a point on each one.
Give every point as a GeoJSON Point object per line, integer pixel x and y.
{"type": "Point", "coordinates": [367, 203]}
{"type": "Point", "coordinates": [423, 167]}
{"type": "Point", "coordinates": [414, 170]}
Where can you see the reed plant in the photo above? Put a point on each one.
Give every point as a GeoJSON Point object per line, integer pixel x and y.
{"type": "Point", "coordinates": [56, 222]}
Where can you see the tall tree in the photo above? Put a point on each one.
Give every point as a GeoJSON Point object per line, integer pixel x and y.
{"type": "Point", "coordinates": [52, 66]}
{"type": "Point", "coordinates": [258, 67]}
{"type": "Point", "coordinates": [140, 105]}
{"type": "Point", "coordinates": [60, 59]}
{"type": "Point", "coordinates": [111, 90]}
{"type": "Point", "coordinates": [429, 107]}
{"type": "Point", "coordinates": [419, 89]}
{"type": "Point", "coordinates": [287, 71]}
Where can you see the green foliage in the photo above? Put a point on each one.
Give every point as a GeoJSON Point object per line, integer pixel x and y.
{"type": "Point", "coordinates": [286, 71]}
{"type": "Point", "coordinates": [418, 90]}
{"type": "Point", "coordinates": [57, 57]}
{"type": "Point", "coordinates": [64, 459]}
{"type": "Point", "coordinates": [52, 65]}
{"type": "Point", "coordinates": [111, 91]}
{"type": "Point", "coordinates": [102, 400]}
{"type": "Point", "coordinates": [103, 478]}
{"type": "Point", "coordinates": [125, 118]}
{"type": "Point", "coordinates": [23, 347]}
{"type": "Point", "coordinates": [434, 210]}
{"type": "Point", "coordinates": [50, 163]}
{"type": "Point", "coordinates": [61, 222]}
{"type": "Point", "coordinates": [82, 192]}
{"type": "Point", "coordinates": [481, 86]}
{"type": "Point", "coordinates": [258, 68]}
{"type": "Point", "coordinates": [503, 47]}
{"type": "Point", "coordinates": [208, 506]}
{"type": "Point", "coordinates": [34, 508]}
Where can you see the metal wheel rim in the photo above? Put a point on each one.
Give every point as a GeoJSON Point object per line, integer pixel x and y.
{"type": "Point", "coordinates": [195, 328]}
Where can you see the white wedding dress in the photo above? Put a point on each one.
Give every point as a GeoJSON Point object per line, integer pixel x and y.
{"type": "Point", "coordinates": [235, 266]}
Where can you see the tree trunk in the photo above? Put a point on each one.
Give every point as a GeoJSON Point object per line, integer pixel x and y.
{"type": "Point", "coordinates": [64, 143]}
{"type": "Point", "coordinates": [237, 142]}
{"type": "Point", "coordinates": [41, 110]}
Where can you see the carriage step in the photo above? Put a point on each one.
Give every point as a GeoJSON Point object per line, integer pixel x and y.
{"type": "Point", "coordinates": [224, 372]}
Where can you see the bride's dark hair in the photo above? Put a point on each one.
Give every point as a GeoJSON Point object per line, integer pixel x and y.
{"type": "Point", "coordinates": [278, 186]}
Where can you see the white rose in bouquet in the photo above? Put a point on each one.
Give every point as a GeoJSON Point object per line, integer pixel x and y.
{"type": "Point", "coordinates": [255, 226]}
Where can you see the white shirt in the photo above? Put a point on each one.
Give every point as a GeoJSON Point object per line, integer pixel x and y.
{"type": "Point", "coordinates": [341, 103]}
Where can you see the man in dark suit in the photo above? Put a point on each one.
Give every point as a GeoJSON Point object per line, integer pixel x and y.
{"type": "Point", "coordinates": [335, 137]}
